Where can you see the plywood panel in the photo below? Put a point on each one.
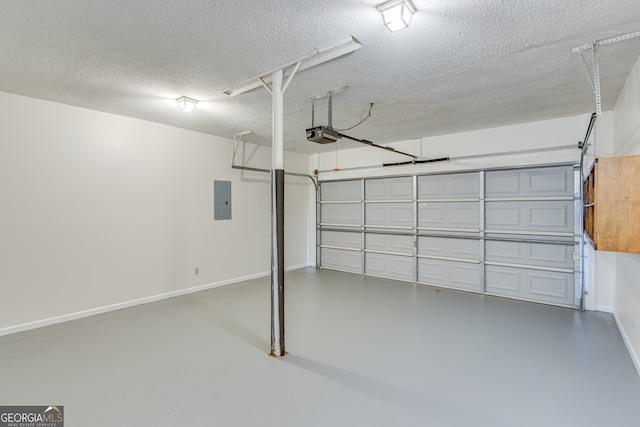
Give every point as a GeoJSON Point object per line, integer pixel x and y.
{"type": "Point", "coordinates": [617, 204]}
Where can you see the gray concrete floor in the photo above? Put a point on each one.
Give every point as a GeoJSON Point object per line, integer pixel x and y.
{"type": "Point", "coordinates": [363, 352]}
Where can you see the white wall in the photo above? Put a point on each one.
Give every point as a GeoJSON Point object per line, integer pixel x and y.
{"type": "Point", "coordinates": [546, 135]}
{"type": "Point", "coordinates": [626, 267]}
{"type": "Point", "coordinates": [100, 210]}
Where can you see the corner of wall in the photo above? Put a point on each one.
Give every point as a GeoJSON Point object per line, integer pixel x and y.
{"type": "Point", "coordinates": [626, 267]}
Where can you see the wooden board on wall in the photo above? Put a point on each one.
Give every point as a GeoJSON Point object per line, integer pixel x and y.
{"type": "Point", "coordinates": [617, 204]}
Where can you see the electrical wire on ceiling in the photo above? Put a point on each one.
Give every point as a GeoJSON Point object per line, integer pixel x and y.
{"type": "Point", "coordinates": [362, 120]}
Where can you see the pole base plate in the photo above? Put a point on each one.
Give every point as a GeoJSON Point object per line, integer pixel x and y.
{"type": "Point", "coordinates": [278, 357]}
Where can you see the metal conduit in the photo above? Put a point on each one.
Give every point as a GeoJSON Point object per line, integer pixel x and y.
{"type": "Point", "coordinates": [302, 175]}
{"type": "Point", "coordinates": [247, 168]}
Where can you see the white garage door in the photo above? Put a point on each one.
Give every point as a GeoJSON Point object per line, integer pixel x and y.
{"type": "Point", "coordinates": [511, 233]}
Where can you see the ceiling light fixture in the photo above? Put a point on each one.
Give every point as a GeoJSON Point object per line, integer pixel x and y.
{"type": "Point", "coordinates": [186, 104]}
{"type": "Point", "coordinates": [396, 14]}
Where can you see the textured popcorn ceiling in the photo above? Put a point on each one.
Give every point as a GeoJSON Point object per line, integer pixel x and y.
{"type": "Point", "coordinates": [462, 65]}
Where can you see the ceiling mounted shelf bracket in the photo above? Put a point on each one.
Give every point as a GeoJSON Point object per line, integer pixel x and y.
{"type": "Point", "coordinates": [587, 73]}
{"type": "Point", "coordinates": [594, 81]}
{"type": "Point", "coordinates": [326, 94]}
{"type": "Point", "coordinates": [316, 57]}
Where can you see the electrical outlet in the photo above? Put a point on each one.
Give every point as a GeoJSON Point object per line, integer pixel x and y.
{"type": "Point", "coordinates": [197, 271]}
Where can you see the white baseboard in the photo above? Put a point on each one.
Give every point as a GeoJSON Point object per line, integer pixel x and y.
{"type": "Point", "coordinates": [604, 308]}
{"type": "Point", "coordinates": [126, 304]}
{"type": "Point", "coordinates": [627, 342]}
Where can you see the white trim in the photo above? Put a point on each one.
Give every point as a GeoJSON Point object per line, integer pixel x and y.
{"type": "Point", "coordinates": [328, 224]}
{"type": "Point", "coordinates": [132, 303]}
{"type": "Point", "coordinates": [627, 342]}
{"type": "Point", "coordinates": [604, 308]}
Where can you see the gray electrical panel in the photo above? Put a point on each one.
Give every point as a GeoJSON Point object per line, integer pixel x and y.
{"type": "Point", "coordinates": [221, 200]}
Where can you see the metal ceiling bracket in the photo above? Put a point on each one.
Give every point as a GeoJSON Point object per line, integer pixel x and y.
{"type": "Point", "coordinates": [331, 92]}
{"type": "Point", "coordinates": [594, 81]}
{"type": "Point", "coordinates": [606, 41]}
{"type": "Point", "coordinates": [587, 73]}
{"type": "Point", "coordinates": [315, 57]}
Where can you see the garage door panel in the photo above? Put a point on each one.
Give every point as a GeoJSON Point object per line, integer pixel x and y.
{"type": "Point", "coordinates": [552, 181]}
{"type": "Point", "coordinates": [341, 239]}
{"type": "Point", "coordinates": [450, 273]}
{"type": "Point", "coordinates": [389, 243]}
{"type": "Point", "coordinates": [490, 231]}
{"type": "Point", "coordinates": [454, 186]}
{"type": "Point", "coordinates": [457, 215]}
{"type": "Point", "coordinates": [391, 266]}
{"type": "Point", "coordinates": [533, 285]}
{"type": "Point", "coordinates": [555, 216]}
{"type": "Point", "coordinates": [551, 255]}
{"type": "Point", "coordinates": [501, 280]}
{"type": "Point", "coordinates": [535, 254]}
{"type": "Point", "coordinates": [340, 259]}
{"type": "Point", "coordinates": [389, 189]}
{"type": "Point", "coordinates": [538, 182]}
{"type": "Point", "coordinates": [466, 276]}
{"type": "Point", "coordinates": [448, 247]}
{"type": "Point", "coordinates": [548, 285]}
{"type": "Point", "coordinates": [389, 215]}
{"type": "Point", "coordinates": [343, 213]}
{"type": "Point", "coordinates": [341, 191]}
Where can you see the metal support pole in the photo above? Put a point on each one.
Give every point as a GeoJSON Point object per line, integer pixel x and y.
{"type": "Point", "coordinates": [277, 89]}
{"type": "Point", "coordinates": [277, 220]}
